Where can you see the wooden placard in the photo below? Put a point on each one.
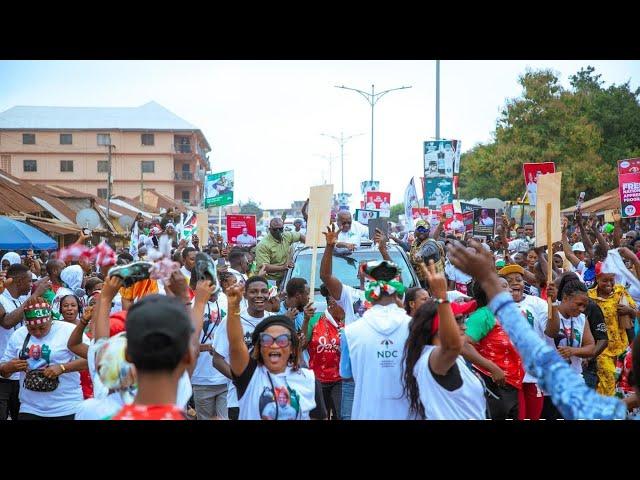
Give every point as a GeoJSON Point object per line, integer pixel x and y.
{"type": "Point", "coordinates": [548, 192]}
{"type": "Point", "coordinates": [319, 217]}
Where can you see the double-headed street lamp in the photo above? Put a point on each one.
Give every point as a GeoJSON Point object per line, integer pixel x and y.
{"type": "Point", "coordinates": [372, 98]}
{"type": "Point", "coordinates": [341, 141]}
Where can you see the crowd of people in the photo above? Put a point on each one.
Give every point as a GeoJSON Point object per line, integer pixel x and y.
{"type": "Point", "coordinates": [172, 329]}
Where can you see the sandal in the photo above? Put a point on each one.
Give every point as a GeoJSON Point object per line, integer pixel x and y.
{"type": "Point", "coordinates": [132, 273]}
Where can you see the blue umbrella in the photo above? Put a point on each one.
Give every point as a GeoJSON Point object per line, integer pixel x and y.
{"type": "Point", "coordinates": [16, 235]}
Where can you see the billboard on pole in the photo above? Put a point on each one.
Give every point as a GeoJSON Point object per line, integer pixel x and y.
{"type": "Point", "coordinates": [218, 189]}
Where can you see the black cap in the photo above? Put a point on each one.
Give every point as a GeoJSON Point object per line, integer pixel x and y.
{"type": "Point", "coordinates": [268, 322]}
{"type": "Point", "coordinates": [158, 333]}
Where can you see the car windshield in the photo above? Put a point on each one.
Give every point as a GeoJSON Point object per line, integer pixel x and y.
{"type": "Point", "coordinates": [346, 268]}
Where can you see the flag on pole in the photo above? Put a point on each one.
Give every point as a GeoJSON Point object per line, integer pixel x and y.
{"type": "Point", "coordinates": [410, 201]}
{"type": "Point", "coordinates": [133, 244]}
{"type": "Point", "coordinates": [189, 226]}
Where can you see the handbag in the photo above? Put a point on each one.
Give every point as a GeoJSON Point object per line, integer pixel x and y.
{"type": "Point", "coordinates": [35, 379]}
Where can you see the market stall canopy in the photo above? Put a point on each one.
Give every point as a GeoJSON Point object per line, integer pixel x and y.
{"type": "Point", "coordinates": [16, 235]}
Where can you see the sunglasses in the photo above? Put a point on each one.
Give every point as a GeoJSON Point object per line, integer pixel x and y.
{"type": "Point", "coordinates": [281, 229]}
{"type": "Point", "coordinates": [422, 230]}
{"type": "Point", "coordinates": [282, 341]}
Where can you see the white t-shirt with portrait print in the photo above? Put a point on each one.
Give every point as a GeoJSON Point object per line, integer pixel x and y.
{"type": "Point", "coordinates": [535, 311]}
{"type": "Point", "coordinates": [221, 346]}
{"type": "Point", "coordinates": [204, 372]}
{"type": "Point", "coordinates": [9, 304]}
{"type": "Point", "coordinates": [573, 328]}
{"type": "Point", "coordinates": [65, 399]}
{"type": "Point", "coordinates": [294, 397]}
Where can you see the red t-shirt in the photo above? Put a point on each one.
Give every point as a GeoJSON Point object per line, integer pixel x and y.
{"type": "Point", "coordinates": [150, 412]}
{"type": "Point", "coordinates": [324, 350]}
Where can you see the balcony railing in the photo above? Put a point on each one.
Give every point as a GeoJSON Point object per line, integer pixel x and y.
{"type": "Point", "coordinates": [183, 176]}
{"type": "Point", "coordinates": [182, 148]}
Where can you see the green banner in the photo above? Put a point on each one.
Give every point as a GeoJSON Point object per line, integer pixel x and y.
{"type": "Point", "coordinates": [219, 189]}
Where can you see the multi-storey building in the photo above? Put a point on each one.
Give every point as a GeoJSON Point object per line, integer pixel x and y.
{"type": "Point", "coordinates": [150, 146]}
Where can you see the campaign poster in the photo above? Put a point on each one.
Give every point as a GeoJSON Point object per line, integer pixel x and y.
{"type": "Point", "coordinates": [219, 189]}
{"type": "Point", "coordinates": [441, 158]}
{"type": "Point", "coordinates": [484, 222]}
{"type": "Point", "coordinates": [629, 187]}
{"type": "Point", "coordinates": [419, 214]}
{"type": "Point", "coordinates": [369, 186]}
{"type": "Point", "coordinates": [467, 207]}
{"type": "Point", "coordinates": [438, 191]}
{"type": "Point", "coordinates": [448, 210]}
{"type": "Point", "coordinates": [241, 229]}
{"type": "Point", "coordinates": [363, 216]}
{"type": "Point", "coordinates": [379, 201]}
{"type": "Point", "coordinates": [455, 223]}
{"type": "Point", "coordinates": [630, 165]}
{"type": "Point", "coordinates": [343, 200]}
{"type": "Point", "coordinates": [531, 173]}
{"type": "Point", "coordinates": [467, 219]}
{"type": "Point", "coordinates": [434, 218]}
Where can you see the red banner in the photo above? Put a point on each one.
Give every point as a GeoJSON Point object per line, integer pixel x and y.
{"type": "Point", "coordinates": [241, 230]}
{"type": "Point", "coordinates": [420, 213]}
{"type": "Point", "coordinates": [629, 187]}
{"type": "Point", "coordinates": [378, 201]}
{"type": "Point", "coordinates": [531, 173]}
{"type": "Point", "coordinates": [631, 165]}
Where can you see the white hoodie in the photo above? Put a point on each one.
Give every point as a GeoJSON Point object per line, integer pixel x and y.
{"type": "Point", "coordinates": [375, 346]}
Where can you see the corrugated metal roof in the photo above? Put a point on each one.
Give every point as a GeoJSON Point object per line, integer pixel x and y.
{"type": "Point", "coordinates": [150, 116]}
{"type": "Point", "coordinates": [17, 196]}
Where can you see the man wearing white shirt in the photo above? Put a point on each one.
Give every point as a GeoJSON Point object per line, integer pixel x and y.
{"type": "Point", "coordinates": [188, 262]}
{"type": "Point", "coordinates": [348, 237]}
{"type": "Point", "coordinates": [245, 240]}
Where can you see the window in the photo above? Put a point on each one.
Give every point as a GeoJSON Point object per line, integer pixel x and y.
{"type": "Point", "coordinates": [185, 195]}
{"type": "Point", "coordinates": [147, 139]}
{"type": "Point", "coordinates": [102, 193]}
{"type": "Point", "coordinates": [148, 166]}
{"type": "Point", "coordinates": [66, 165]}
{"type": "Point", "coordinates": [66, 139]}
{"type": "Point", "coordinates": [30, 165]}
{"type": "Point", "coordinates": [28, 138]}
{"type": "Point", "coordinates": [103, 166]}
{"type": "Point", "coordinates": [104, 139]}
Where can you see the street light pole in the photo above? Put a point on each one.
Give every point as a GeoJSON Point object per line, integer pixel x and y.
{"type": "Point", "coordinates": [330, 159]}
{"type": "Point", "coordinates": [341, 141]}
{"type": "Point", "coordinates": [437, 99]}
{"type": "Point", "coordinates": [372, 98]}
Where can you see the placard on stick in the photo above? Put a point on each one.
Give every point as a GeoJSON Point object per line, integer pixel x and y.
{"type": "Point", "coordinates": [548, 193]}
{"type": "Point", "coordinates": [320, 200]}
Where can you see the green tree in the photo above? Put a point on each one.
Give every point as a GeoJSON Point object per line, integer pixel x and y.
{"type": "Point", "coordinates": [397, 209]}
{"type": "Point", "coordinates": [584, 130]}
{"type": "Point", "coordinates": [251, 208]}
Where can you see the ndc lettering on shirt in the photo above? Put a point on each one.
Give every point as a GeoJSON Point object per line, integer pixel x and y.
{"type": "Point", "coordinates": [602, 327]}
{"type": "Point", "coordinates": [387, 354]}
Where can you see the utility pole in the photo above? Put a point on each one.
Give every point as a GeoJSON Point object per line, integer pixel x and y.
{"type": "Point", "coordinates": [110, 146]}
{"type": "Point", "coordinates": [141, 187]}
{"type": "Point", "coordinates": [372, 98]}
{"type": "Point", "coordinates": [341, 141]}
{"type": "Point", "coordinates": [437, 99]}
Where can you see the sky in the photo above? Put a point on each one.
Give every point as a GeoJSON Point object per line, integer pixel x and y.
{"type": "Point", "coordinates": [264, 119]}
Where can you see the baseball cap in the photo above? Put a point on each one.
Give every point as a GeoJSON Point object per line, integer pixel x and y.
{"type": "Point", "coordinates": [424, 224]}
{"type": "Point", "coordinates": [578, 247]}
{"type": "Point", "coordinates": [158, 333]}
